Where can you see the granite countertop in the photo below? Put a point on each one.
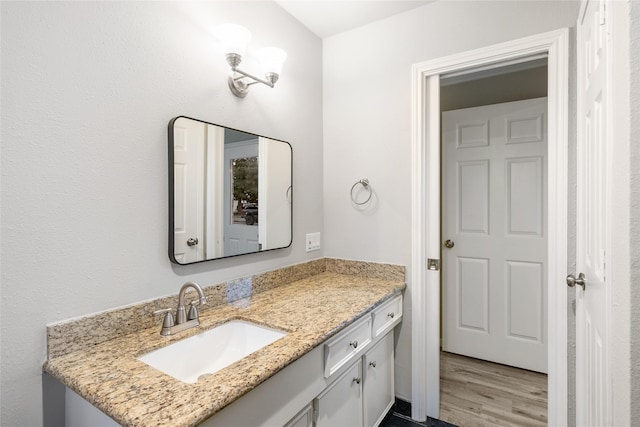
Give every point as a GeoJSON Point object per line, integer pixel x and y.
{"type": "Point", "coordinates": [311, 310]}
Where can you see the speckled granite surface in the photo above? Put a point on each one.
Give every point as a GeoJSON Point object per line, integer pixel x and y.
{"type": "Point", "coordinates": [107, 373]}
{"type": "Point", "coordinates": [84, 332]}
{"type": "Point", "coordinates": [365, 269]}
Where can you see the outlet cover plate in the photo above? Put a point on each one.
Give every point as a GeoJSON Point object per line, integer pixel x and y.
{"type": "Point", "coordinates": [313, 241]}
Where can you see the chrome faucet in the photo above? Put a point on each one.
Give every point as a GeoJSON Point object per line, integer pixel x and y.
{"type": "Point", "coordinates": [181, 312]}
{"type": "Point", "coordinates": [182, 320]}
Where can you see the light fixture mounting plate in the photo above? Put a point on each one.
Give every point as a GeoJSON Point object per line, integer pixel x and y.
{"type": "Point", "coordinates": [238, 87]}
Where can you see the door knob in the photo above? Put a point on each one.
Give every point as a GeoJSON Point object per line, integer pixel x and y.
{"type": "Point", "coordinates": [572, 281]}
{"type": "Point", "coordinates": [192, 241]}
{"type": "Point", "coordinates": [448, 244]}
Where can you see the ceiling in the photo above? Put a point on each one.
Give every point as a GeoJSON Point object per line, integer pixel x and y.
{"type": "Point", "coordinates": [329, 17]}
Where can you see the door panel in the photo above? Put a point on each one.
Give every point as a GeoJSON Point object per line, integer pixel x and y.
{"type": "Point", "coordinates": [524, 129]}
{"type": "Point", "coordinates": [473, 192]}
{"type": "Point", "coordinates": [494, 210]}
{"type": "Point", "coordinates": [524, 196]}
{"type": "Point", "coordinates": [473, 291]}
{"type": "Point", "coordinates": [593, 218]}
{"type": "Point", "coordinates": [525, 289]}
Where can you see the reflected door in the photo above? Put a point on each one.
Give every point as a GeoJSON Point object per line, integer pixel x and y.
{"type": "Point", "coordinates": [188, 169]}
{"type": "Point", "coordinates": [494, 203]}
{"type": "Point", "coordinates": [241, 213]}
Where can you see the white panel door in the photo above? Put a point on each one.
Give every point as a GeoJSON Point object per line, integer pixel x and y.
{"type": "Point", "coordinates": [593, 220]}
{"type": "Point", "coordinates": [189, 185]}
{"type": "Point", "coordinates": [494, 286]}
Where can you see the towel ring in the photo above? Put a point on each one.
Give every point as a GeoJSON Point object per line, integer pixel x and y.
{"type": "Point", "coordinates": [365, 183]}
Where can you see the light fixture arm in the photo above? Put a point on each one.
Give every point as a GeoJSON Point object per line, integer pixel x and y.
{"type": "Point", "coordinates": [245, 75]}
{"type": "Point", "coordinates": [238, 86]}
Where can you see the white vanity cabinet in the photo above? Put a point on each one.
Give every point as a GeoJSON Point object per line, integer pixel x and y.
{"type": "Point", "coordinates": [386, 316]}
{"type": "Point", "coordinates": [378, 381]}
{"type": "Point", "coordinates": [303, 419]}
{"type": "Point", "coordinates": [341, 403]}
{"type": "Point", "coordinates": [362, 395]}
{"type": "Point", "coordinates": [347, 381]}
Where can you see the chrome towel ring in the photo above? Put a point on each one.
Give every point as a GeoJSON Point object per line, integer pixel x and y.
{"type": "Point", "coordinates": [365, 183]}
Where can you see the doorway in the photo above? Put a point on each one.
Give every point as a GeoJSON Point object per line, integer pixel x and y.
{"type": "Point", "coordinates": [494, 231]}
{"type": "Point", "coordinates": [241, 195]}
{"type": "Point", "coordinates": [426, 242]}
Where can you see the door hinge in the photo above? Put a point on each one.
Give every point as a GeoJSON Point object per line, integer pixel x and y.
{"type": "Point", "coordinates": [314, 413]}
{"type": "Point", "coordinates": [603, 12]}
{"type": "Point", "coordinates": [433, 264]}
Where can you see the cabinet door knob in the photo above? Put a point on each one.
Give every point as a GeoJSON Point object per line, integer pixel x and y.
{"type": "Point", "coordinates": [354, 344]}
{"type": "Point", "coordinates": [357, 380]}
{"type": "Point", "coordinates": [391, 314]}
{"type": "Point", "coordinates": [372, 364]}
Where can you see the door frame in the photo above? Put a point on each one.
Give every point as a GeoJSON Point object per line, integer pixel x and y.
{"type": "Point", "coordinates": [425, 218]}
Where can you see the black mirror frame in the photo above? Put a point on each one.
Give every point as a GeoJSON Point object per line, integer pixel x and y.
{"type": "Point", "coordinates": [171, 182]}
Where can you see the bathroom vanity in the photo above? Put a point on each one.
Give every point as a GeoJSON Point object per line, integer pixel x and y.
{"type": "Point", "coordinates": [333, 367]}
{"type": "Point", "coordinates": [346, 381]}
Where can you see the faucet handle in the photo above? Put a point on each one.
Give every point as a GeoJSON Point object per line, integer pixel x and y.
{"type": "Point", "coordinates": [193, 310]}
{"type": "Point", "coordinates": [168, 320]}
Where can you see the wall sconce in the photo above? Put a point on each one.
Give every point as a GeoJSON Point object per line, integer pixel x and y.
{"type": "Point", "coordinates": [235, 39]}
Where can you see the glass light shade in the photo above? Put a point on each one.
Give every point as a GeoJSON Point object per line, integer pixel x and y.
{"type": "Point", "coordinates": [235, 38]}
{"type": "Point", "coordinates": [272, 59]}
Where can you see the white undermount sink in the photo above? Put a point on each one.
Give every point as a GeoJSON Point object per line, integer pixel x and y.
{"type": "Point", "coordinates": [212, 350]}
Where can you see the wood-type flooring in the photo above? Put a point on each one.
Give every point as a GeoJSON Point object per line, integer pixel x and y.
{"type": "Point", "coordinates": [476, 393]}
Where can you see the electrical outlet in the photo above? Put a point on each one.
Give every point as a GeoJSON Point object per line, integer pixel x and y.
{"type": "Point", "coordinates": [313, 242]}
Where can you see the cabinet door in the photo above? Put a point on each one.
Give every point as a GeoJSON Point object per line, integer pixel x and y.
{"type": "Point", "coordinates": [379, 393]}
{"type": "Point", "coordinates": [303, 419]}
{"type": "Point", "coordinates": [341, 403]}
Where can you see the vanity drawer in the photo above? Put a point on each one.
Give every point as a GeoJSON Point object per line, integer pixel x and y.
{"type": "Point", "coordinates": [387, 316]}
{"type": "Point", "coordinates": [346, 346]}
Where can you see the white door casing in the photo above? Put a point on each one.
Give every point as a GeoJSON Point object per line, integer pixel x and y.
{"type": "Point", "coordinates": [189, 189]}
{"type": "Point", "coordinates": [214, 196]}
{"type": "Point", "coordinates": [494, 214]}
{"type": "Point", "coordinates": [425, 206]}
{"type": "Point", "coordinates": [593, 259]}
{"type": "Point", "coordinates": [274, 187]}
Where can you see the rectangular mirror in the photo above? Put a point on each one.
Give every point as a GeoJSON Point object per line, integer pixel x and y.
{"type": "Point", "coordinates": [230, 192]}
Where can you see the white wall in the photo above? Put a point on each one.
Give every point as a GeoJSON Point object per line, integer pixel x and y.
{"type": "Point", "coordinates": [619, 270]}
{"type": "Point", "coordinates": [635, 206]}
{"type": "Point", "coordinates": [87, 90]}
{"type": "Point", "coordinates": [367, 111]}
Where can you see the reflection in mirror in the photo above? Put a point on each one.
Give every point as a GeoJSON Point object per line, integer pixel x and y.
{"type": "Point", "coordinates": [229, 192]}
